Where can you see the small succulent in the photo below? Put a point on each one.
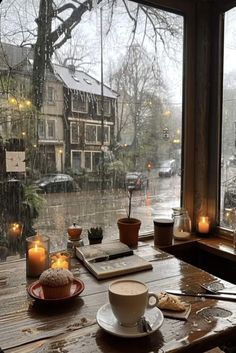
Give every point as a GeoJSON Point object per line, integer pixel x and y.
{"type": "Point", "coordinates": [95, 232]}
{"type": "Point", "coordinates": [95, 235]}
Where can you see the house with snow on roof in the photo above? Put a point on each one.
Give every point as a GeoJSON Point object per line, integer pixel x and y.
{"type": "Point", "coordinates": [87, 131]}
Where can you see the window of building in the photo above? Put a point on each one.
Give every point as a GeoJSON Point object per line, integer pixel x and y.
{"type": "Point", "coordinates": [50, 95]}
{"type": "Point", "coordinates": [76, 161]}
{"type": "Point", "coordinates": [74, 132]}
{"type": "Point", "coordinates": [106, 107]}
{"type": "Point", "coordinates": [51, 129]}
{"type": "Point", "coordinates": [93, 134]}
{"type": "Point", "coordinates": [41, 129]}
{"type": "Point", "coordinates": [79, 103]}
{"type": "Point", "coordinates": [22, 89]}
{"type": "Point", "coordinates": [92, 161]}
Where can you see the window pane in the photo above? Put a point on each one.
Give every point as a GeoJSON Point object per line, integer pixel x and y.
{"type": "Point", "coordinates": [91, 135]}
{"type": "Point", "coordinates": [76, 161]}
{"type": "Point", "coordinates": [79, 103]}
{"type": "Point", "coordinates": [51, 129]}
{"type": "Point", "coordinates": [228, 149]}
{"type": "Point", "coordinates": [142, 120]}
{"type": "Point", "coordinates": [74, 133]}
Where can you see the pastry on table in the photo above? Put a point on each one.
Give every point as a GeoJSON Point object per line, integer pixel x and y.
{"type": "Point", "coordinates": [170, 302]}
{"type": "Point", "coordinates": [56, 283]}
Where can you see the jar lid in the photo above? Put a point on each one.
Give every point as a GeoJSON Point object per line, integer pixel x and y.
{"type": "Point", "coordinates": [165, 222]}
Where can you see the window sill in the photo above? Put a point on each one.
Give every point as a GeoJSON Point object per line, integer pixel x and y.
{"type": "Point", "coordinates": [212, 244]}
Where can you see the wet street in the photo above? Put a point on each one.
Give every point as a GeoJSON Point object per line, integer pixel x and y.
{"type": "Point", "coordinates": [94, 209]}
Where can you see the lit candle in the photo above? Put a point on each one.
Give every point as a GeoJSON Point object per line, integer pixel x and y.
{"type": "Point", "coordinates": [203, 225]}
{"type": "Point", "coordinates": [37, 260]}
{"type": "Point", "coordinates": [15, 230]}
{"type": "Point", "coordinates": [60, 260]}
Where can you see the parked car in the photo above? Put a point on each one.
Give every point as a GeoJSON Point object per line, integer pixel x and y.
{"type": "Point", "coordinates": [136, 180]}
{"type": "Point", "coordinates": [168, 168]}
{"type": "Point", "coordinates": [56, 183]}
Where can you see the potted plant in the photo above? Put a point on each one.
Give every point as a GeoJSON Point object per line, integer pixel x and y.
{"type": "Point", "coordinates": [128, 226]}
{"type": "Point", "coordinates": [95, 235]}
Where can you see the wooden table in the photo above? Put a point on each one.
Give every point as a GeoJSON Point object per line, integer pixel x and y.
{"type": "Point", "coordinates": [26, 326]}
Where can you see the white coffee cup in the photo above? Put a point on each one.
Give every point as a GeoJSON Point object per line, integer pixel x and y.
{"type": "Point", "coordinates": [129, 299]}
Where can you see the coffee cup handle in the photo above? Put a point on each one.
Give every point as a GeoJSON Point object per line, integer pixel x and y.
{"type": "Point", "coordinates": [152, 295]}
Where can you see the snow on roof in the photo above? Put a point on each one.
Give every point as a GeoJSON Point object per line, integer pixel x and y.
{"type": "Point", "coordinates": [80, 81]}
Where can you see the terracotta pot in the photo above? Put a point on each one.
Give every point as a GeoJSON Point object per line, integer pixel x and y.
{"type": "Point", "coordinates": [129, 230]}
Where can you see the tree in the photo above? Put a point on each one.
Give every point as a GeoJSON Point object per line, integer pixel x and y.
{"type": "Point", "coordinates": [56, 23]}
{"type": "Point", "coordinates": [139, 82]}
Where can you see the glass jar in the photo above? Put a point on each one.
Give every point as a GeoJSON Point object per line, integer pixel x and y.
{"type": "Point", "coordinates": [182, 224]}
{"type": "Point", "coordinates": [37, 255]}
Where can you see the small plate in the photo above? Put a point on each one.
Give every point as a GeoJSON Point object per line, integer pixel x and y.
{"type": "Point", "coordinates": [107, 321]}
{"type": "Point", "coordinates": [35, 291]}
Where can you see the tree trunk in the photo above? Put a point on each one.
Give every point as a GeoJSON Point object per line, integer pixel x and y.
{"type": "Point", "coordinates": [42, 51]}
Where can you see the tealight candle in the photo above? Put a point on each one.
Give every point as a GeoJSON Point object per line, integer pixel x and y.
{"type": "Point", "coordinates": [36, 255]}
{"type": "Point", "coordinates": [181, 234]}
{"type": "Point", "coordinates": [203, 225]}
{"type": "Point", "coordinates": [60, 260]}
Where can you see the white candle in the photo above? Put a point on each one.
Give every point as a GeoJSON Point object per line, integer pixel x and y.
{"type": "Point", "coordinates": [203, 225]}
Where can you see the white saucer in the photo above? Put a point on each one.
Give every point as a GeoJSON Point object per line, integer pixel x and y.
{"type": "Point", "coordinates": [109, 323]}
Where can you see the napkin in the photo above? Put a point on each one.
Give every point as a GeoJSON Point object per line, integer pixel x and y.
{"type": "Point", "coordinates": [172, 307]}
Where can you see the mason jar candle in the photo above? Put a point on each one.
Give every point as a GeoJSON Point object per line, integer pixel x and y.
{"type": "Point", "coordinates": [37, 255]}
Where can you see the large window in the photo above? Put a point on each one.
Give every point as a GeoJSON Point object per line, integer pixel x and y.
{"type": "Point", "coordinates": [228, 154]}
{"type": "Point", "coordinates": [142, 122]}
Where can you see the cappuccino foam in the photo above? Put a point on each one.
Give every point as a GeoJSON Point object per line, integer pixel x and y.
{"type": "Point", "coordinates": [128, 288]}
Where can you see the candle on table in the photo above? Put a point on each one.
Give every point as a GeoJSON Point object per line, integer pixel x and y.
{"type": "Point", "coordinates": [60, 260]}
{"type": "Point", "coordinates": [181, 234]}
{"type": "Point", "coordinates": [203, 225]}
{"type": "Point", "coordinates": [36, 259]}
{"type": "Point", "coordinates": [37, 255]}
{"type": "Point", "coordinates": [15, 230]}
